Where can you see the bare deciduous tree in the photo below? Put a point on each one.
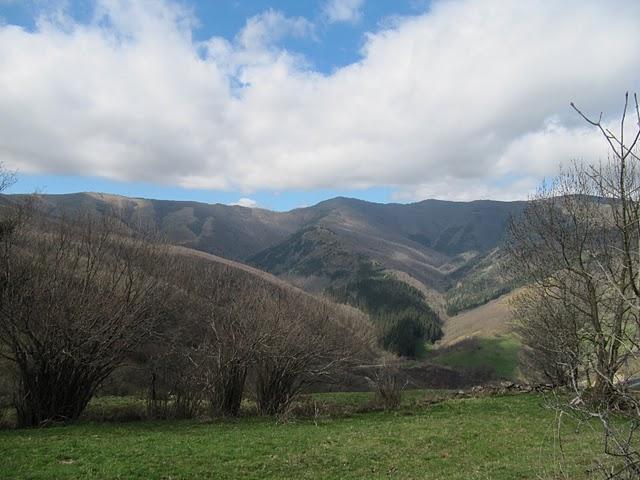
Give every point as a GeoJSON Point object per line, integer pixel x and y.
{"type": "Point", "coordinates": [233, 323]}
{"type": "Point", "coordinates": [578, 246]}
{"type": "Point", "coordinates": [174, 387]}
{"type": "Point", "coordinates": [304, 341]}
{"type": "Point", "coordinates": [565, 246]}
{"type": "Point", "coordinates": [7, 178]}
{"type": "Point", "coordinates": [8, 224]}
{"type": "Point", "coordinates": [76, 296]}
{"type": "Point", "coordinates": [549, 329]}
{"type": "Point", "coordinates": [229, 309]}
{"type": "Point", "coordinates": [8, 217]}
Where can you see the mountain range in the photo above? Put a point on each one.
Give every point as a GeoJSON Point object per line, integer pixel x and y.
{"type": "Point", "coordinates": [447, 250]}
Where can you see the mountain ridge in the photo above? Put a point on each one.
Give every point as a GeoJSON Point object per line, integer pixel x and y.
{"type": "Point", "coordinates": [432, 241]}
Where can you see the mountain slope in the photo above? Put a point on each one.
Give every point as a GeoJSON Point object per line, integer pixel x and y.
{"type": "Point", "coordinates": [438, 244]}
{"type": "Point", "coordinates": [232, 232]}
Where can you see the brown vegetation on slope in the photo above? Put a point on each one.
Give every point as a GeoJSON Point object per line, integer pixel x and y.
{"type": "Point", "coordinates": [488, 320]}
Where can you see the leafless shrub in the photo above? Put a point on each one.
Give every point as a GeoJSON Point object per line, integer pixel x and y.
{"type": "Point", "coordinates": [7, 178]}
{"type": "Point", "coordinates": [304, 341]}
{"type": "Point", "coordinates": [173, 391]}
{"type": "Point", "coordinates": [228, 324]}
{"type": "Point", "coordinates": [550, 332]}
{"type": "Point", "coordinates": [561, 244]}
{"type": "Point", "coordinates": [4, 410]}
{"type": "Point", "coordinates": [220, 307]}
{"type": "Point", "coordinates": [76, 296]}
{"type": "Point", "coordinates": [232, 310]}
{"type": "Point", "coordinates": [388, 383]}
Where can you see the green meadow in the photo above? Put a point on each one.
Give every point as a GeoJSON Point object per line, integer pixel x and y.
{"type": "Point", "coordinates": [338, 437]}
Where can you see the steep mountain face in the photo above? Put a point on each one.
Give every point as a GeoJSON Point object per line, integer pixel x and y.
{"type": "Point", "coordinates": [436, 244]}
{"type": "Point", "coordinates": [439, 244]}
{"type": "Point", "coordinates": [312, 251]}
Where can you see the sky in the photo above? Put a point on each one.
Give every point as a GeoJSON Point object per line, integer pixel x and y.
{"type": "Point", "coordinates": [281, 104]}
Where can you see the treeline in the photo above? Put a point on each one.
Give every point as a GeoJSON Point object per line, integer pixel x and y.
{"type": "Point", "coordinates": [405, 321]}
{"type": "Point", "coordinates": [82, 294]}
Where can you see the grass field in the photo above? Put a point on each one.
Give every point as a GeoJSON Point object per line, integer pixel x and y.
{"type": "Point", "coordinates": [499, 354]}
{"type": "Point", "coordinates": [509, 437]}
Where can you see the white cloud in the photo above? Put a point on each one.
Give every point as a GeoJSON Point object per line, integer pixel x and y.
{"type": "Point", "coordinates": [457, 102]}
{"type": "Point", "coordinates": [246, 202]}
{"type": "Point", "coordinates": [271, 26]}
{"type": "Point", "coordinates": [343, 10]}
{"type": "Point", "coordinates": [468, 189]}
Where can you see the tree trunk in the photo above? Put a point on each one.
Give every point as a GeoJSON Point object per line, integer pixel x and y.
{"type": "Point", "coordinates": [226, 398]}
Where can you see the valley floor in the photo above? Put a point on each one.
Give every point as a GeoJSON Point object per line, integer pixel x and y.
{"type": "Point", "coordinates": [510, 437]}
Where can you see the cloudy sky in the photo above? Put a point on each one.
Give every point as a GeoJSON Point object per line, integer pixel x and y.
{"type": "Point", "coordinates": [284, 103]}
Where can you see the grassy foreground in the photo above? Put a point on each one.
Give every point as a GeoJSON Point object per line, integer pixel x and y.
{"type": "Point", "coordinates": [509, 437]}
